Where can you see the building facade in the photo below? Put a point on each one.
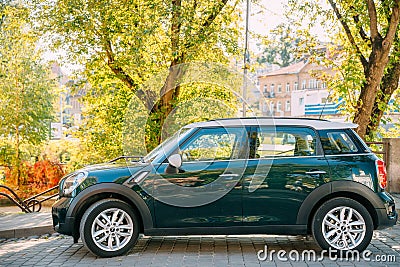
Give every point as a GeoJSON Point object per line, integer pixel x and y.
{"type": "Point", "coordinates": [68, 106]}
{"type": "Point", "coordinates": [295, 90]}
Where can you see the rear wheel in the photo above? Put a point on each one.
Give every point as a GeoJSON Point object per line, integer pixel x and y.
{"type": "Point", "coordinates": [109, 228]}
{"type": "Point", "coordinates": [342, 224]}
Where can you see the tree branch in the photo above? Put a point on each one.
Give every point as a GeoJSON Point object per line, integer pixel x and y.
{"type": "Point", "coordinates": [123, 76]}
{"type": "Point", "coordinates": [373, 23]}
{"type": "Point", "coordinates": [386, 8]}
{"type": "Point", "coordinates": [213, 15]}
{"type": "Point", "coordinates": [207, 23]}
{"type": "Point", "coordinates": [350, 36]}
{"type": "Point", "coordinates": [363, 35]}
{"type": "Point", "coordinates": [195, 4]}
{"type": "Point", "coordinates": [389, 85]}
{"type": "Point", "coordinates": [145, 96]}
{"type": "Point", "coordinates": [394, 22]}
{"type": "Point", "coordinates": [390, 80]}
{"type": "Point", "coordinates": [176, 27]}
{"type": "Point", "coordinates": [2, 19]}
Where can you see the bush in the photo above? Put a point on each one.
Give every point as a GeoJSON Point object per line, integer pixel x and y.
{"type": "Point", "coordinates": [36, 178]}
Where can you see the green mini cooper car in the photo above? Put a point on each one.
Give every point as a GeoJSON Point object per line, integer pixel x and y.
{"type": "Point", "coordinates": [233, 176]}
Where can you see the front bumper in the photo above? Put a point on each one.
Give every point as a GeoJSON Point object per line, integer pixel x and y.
{"type": "Point", "coordinates": [61, 223]}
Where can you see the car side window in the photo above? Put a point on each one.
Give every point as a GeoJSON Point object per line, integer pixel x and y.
{"type": "Point", "coordinates": [285, 142]}
{"type": "Point", "coordinates": [337, 142]}
{"type": "Point", "coordinates": [213, 144]}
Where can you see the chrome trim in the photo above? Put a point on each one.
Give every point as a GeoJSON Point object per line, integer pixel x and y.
{"type": "Point", "coordinates": [350, 155]}
{"type": "Point", "coordinates": [270, 158]}
{"type": "Point", "coordinates": [229, 175]}
{"type": "Point", "coordinates": [315, 172]}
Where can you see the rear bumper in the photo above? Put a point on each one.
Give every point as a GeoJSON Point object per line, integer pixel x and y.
{"type": "Point", "coordinates": [385, 220]}
{"type": "Point", "coordinates": [387, 216]}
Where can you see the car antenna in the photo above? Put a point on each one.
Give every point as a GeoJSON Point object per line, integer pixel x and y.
{"type": "Point", "coordinates": [323, 108]}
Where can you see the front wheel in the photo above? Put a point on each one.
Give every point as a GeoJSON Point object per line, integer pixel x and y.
{"type": "Point", "coordinates": [109, 228]}
{"type": "Point", "coordinates": [342, 224]}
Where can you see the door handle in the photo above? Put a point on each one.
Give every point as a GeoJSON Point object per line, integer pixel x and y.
{"type": "Point", "coordinates": [315, 172]}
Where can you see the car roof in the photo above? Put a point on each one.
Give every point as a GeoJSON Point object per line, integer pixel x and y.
{"type": "Point", "coordinates": [270, 121]}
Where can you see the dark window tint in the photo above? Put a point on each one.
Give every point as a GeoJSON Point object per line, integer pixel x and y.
{"type": "Point", "coordinates": [337, 142]}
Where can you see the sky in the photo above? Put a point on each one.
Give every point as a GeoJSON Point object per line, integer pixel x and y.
{"type": "Point", "coordinates": [264, 17]}
{"type": "Point", "coordinates": [270, 16]}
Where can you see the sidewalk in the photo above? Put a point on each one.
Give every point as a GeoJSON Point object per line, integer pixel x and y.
{"type": "Point", "coordinates": [16, 224]}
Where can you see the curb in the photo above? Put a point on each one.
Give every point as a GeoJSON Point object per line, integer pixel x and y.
{"type": "Point", "coordinates": [25, 232]}
{"type": "Point", "coordinates": [19, 225]}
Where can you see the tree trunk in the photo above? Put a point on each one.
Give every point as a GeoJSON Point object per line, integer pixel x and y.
{"type": "Point", "coordinates": [163, 107]}
{"type": "Point", "coordinates": [170, 90]}
{"type": "Point", "coordinates": [374, 71]}
{"type": "Point", "coordinates": [378, 58]}
{"type": "Point", "coordinates": [390, 82]}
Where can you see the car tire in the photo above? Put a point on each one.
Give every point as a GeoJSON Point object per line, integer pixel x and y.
{"type": "Point", "coordinates": [342, 224]}
{"type": "Point", "coordinates": [109, 228]}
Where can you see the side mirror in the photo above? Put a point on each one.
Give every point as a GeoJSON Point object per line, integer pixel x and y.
{"type": "Point", "coordinates": [175, 160]}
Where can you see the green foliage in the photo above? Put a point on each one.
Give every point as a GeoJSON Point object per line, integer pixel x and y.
{"type": "Point", "coordinates": [25, 87]}
{"type": "Point", "coordinates": [101, 132]}
{"type": "Point", "coordinates": [281, 46]}
{"type": "Point", "coordinates": [6, 152]}
{"type": "Point", "coordinates": [200, 102]}
{"type": "Point", "coordinates": [348, 81]}
{"type": "Point", "coordinates": [358, 54]}
{"type": "Point", "coordinates": [123, 44]}
{"type": "Point", "coordinates": [65, 151]}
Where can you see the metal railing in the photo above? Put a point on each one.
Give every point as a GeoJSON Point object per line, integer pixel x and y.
{"type": "Point", "coordinates": [31, 204]}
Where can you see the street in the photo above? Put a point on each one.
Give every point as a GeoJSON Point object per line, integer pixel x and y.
{"type": "Point", "coordinates": [59, 250]}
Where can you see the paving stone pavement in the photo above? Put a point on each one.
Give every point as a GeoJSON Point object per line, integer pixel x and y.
{"type": "Point", "coordinates": [58, 250]}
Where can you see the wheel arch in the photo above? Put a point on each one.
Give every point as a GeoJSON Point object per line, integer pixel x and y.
{"type": "Point", "coordinates": [94, 193]}
{"type": "Point", "coordinates": [348, 189]}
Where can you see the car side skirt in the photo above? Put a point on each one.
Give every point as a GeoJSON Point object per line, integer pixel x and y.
{"type": "Point", "coordinates": [232, 230]}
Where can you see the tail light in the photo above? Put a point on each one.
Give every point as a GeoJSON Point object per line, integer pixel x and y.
{"type": "Point", "coordinates": [382, 177]}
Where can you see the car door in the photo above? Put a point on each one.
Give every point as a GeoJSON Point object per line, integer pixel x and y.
{"type": "Point", "coordinates": [287, 165]}
{"type": "Point", "coordinates": [206, 190]}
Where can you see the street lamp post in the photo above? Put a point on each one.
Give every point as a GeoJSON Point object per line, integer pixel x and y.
{"type": "Point", "coordinates": [246, 57]}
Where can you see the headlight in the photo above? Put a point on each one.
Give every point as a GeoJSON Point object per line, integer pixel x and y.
{"type": "Point", "coordinates": [72, 182]}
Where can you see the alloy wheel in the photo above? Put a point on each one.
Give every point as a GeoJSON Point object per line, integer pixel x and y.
{"type": "Point", "coordinates": [112, 229]}
{"type": "Point", "coordinates": [343, 228]}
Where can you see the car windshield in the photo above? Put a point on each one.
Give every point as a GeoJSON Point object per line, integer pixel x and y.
{"type": "Point", "coordinates": [166, 145]}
